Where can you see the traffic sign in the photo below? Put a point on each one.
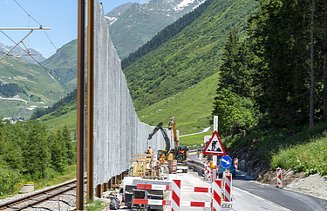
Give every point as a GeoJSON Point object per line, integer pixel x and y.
{"type": "Point", "coordinates": [214, 145]}
{"type": "Point", "coordinates": [226, 161]}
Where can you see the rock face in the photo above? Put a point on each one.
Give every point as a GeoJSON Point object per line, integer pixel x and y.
{"type": "Point", "coordinates": [249, 162]}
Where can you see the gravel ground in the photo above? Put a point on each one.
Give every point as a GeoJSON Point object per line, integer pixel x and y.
{"type": "Point", "coordinates": [313, 185]}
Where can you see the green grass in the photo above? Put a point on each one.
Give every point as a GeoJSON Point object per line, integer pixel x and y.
{"type": "Point", "coordinates": [53, 178]}
{"type": "Point", "coordinates": [197, 139]}
{"type": "Point", "coordinates": [189, 57]}
{"type": "Point", "coordinates": [95, 205]}
{"type": "Point", "coordinates": [303, 150]}
{"type": "Point", "coordinates": [69, 119]}
{"type": "Point", "coordinates": [36, 83]}
{"type": "Point", "coordinates": [191, 107]}
{"type": "Point", "coordinates": [56, 178]}
{"type": "Point", "coordinates": [310, 157]}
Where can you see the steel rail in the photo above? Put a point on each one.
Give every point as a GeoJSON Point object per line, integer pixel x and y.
{"type": "Point", "coordinates": [39, 197]}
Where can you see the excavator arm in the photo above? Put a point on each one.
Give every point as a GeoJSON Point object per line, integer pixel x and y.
{"type": "Point", "coordinates": [164, 134]}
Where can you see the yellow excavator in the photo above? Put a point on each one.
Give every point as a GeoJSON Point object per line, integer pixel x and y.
{"type": "Point", "coordinates": [180, 152]}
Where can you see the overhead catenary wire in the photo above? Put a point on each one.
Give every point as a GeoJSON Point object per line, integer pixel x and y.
{"type": "Point", "coordinates": [39, 63]}
{"type": "Point", "coordinates": [46, 34]}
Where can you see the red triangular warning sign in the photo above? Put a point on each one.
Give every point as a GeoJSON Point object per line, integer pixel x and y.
{"type": "Point", "coordinates": [214, 145]}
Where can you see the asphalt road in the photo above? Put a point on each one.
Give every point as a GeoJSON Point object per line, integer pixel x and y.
{"type": "Point", "coordinates": [285, 198]}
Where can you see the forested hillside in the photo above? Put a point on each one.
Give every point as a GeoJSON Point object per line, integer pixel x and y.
{"type": "Point", "coordinates": [29, 152]}
{"type": "Point", "coordinates": [189, 57]}
{"type": "Point", "coordinates": [272, 90]}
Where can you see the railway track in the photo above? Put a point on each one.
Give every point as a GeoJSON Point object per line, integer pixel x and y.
{"type": "Point", "coordinates": [36, 198]}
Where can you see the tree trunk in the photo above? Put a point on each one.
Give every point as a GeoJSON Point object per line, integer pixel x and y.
{"type": "Point", "coordinates": [312, 76]}
{"type": "Point", "coordinates": [324, 66]}
{"type": "Point", "coordinates": [324, 69]}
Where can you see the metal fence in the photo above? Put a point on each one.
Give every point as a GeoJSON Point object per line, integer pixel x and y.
{"type": "Point", "coordinates": [118, 132]}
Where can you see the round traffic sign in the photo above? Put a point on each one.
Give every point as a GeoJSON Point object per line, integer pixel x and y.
{"type": "Point", "coordinates": [226, 161]}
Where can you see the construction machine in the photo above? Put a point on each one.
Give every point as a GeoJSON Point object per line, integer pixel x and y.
{"type": "Point", "coordinates": [181, 154]}
{"type": "Point", "coordinates": [165, 136]}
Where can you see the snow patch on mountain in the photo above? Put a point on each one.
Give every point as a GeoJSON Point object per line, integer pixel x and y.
{"type": "Point", "coordinates": [111, 20]}
{"type": "Point", "coordinates": [183, 4]}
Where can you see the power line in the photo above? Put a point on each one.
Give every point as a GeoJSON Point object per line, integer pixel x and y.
{"type": "Point", "coordinates": [27, 13]}
{"type": "Point", "coordinates": [27, 51]}
{"type": "Point", "coordinates": [46, 34]}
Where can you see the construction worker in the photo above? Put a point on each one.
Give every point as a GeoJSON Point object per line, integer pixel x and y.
{"type": "Point", "coordinates": [162, 158]}
{"type": "Point", "coordinates": [149, 151]}
{"type": "Point", "coordinates": [212, 165]}
{"type": "Point", "coordinates": [170, 160]}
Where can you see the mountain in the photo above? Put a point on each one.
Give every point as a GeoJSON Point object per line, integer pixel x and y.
{"type": "Point", "coordinates": [63, 64]}
{"type": "Point", "coordinates": [188, 57]}
{"type": "Point", "coordinates": [31, 55]}
{"type": "Point", "coordinates": [133, 24]}
{"type": "Point", "coordinates": [25, 86]}
{"type": "Point", "coordinates": [178, 77]}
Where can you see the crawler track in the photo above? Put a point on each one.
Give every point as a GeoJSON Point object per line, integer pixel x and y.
{"type": "Point", "coordinates": [39, 197]}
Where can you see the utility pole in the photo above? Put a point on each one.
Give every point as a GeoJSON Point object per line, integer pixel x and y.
{"type": "Point", "coordinates": [80, 106]}
{"type": "Point", "coordinates": [90, 100]}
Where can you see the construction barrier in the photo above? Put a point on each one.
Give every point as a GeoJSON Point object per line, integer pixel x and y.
{"type": "Point", "coordinates": [227, 189]}
{"type": "Point", "coordinates": [152, 187]}
{"type": "Point", "coordinates": [207, 172]}
{"type": "Point", "coordinates": [177, 202]}
{"type": "Point", "coordinates": [279, 173]}
{"type": "Point", "coordinates": [173, 166]}
{"type": "Point", "coordinates": [217, 195]}
{"type": "Point", "coordinates": [235, 162]}
{"type": "Point", "coordinates": [214, 174]}
{"type": "Point", "coordinates": [152, 202]}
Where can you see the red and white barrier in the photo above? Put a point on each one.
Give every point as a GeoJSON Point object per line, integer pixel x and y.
{"type": "Point", "coordinates": [152, 187]}
{"type": "Point", "coordinates": [152, 202]}
{"type": "Point", "coordinates": [176, 195]}
{"type": "Point", "coordinates": [177, 190]}
{"type": "Point", "coordinates": [235, 162]}
{"type": "Point", "coordinates": [279, 173]}
{"type": "Point", "coordinates": [227, 187]}
{"type": "Point", "coordinates": [216, 195]}
{"type": "Point", "coordinates": [214, 174]}
{"type": "Point", "coordinates": [207, 172]}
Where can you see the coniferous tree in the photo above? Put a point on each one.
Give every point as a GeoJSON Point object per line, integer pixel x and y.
{"type": "Point", "coordinates": [58, 151]}
{"type": "Point", "coordinates": [233, 103]}
{"type": "Point", "coordinates": [69, 146]}
{"type": "Point", "coordinates": [280, 38]}
{"type": "Point", "coordinates": [36, 152]}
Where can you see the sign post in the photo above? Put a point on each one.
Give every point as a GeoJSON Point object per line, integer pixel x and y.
{"type": "Point", "coordinates": [214, 146]}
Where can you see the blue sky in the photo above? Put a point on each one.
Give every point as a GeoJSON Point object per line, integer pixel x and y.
{"type": "Point", "coordinates": [60, 15]}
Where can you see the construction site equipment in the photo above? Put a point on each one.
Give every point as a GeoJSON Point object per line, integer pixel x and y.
{"type": "Point", "coordinates": [164, 134]}
{"type": "Point", "coordinates": [144, 165]}
{"type": "Point", "coordinates": [138, 193]}
{"type": "Point", "coordinates": [180, 152]}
